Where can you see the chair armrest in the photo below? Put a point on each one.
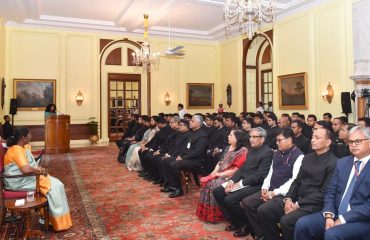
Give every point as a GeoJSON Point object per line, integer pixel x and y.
{"type": "Point", "coordinates": [23, 175]}
{"type": "Point", "coordinates": [44, 173]}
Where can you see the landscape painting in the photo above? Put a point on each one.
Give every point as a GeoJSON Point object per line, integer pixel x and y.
{"type": "Point", "coordinates": [293, 91]}
{"type": "Point", "coordinates": [199, 95]}
{"type": "Point", "coordinates": [34, 94]}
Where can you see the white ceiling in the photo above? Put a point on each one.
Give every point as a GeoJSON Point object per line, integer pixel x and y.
{"type": "Point", "coordinates": [201, 19]}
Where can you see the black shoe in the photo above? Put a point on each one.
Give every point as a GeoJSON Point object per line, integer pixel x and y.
{"type": "Point", "coordinates": [143, 174]}
{"type": "Point", "coordinates": [231, 228]}
{"type": "Point", "coordinates": [158, 181]}
{"type": "Point", "coordinates": [177, 193]}
{"type": "Point", "coordinates": [147, 177]}
{"type": "Point", "coordinates": [152, 179]}
{"type": "Point", "coordinates": [167, 189]}
{"type": "Point", "coordinates": [243, 232]}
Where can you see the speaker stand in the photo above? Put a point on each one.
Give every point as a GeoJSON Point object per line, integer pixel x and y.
{"type": "Point", "coordinates": [13, 120]}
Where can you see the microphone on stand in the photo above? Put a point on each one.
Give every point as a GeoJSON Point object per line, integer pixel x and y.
{"type": "Point", "coordinates": [59, 113]}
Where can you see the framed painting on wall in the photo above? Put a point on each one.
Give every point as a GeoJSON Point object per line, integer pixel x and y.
{"type": "Point", "coordinates": [199, 95]}
{"type": "Point", "coordinates": [34, 94]}
{"type": "Point", "coordinates": [293, 91]}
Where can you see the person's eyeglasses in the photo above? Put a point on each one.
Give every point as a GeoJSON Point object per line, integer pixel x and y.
{"type": "Point", "coordinates": [182, 124]}
{"type": "Point", "coordinates": [279, 140]}
{"type": "Point", "coordinates": [356, 142]}
{"type": "Point", "coordinates": [255, 136]}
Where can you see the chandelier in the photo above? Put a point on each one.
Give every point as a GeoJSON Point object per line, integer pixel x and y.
{"type": "Point", "coordinates": [143, 56]}
{"type": "Point", "coordinates": [248, 15]}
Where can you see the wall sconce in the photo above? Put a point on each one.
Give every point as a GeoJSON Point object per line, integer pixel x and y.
{"type": "Point", "coordinates": [328, 94]}
{"type": "Point", "coordinates": [79, 98]}
{"type": "Point", "coordinates": [167, 99]}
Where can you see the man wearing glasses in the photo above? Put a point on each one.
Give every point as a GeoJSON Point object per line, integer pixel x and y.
{"type": "Point", "coordinates": [284, 169]}
{"type": "Point", "coordinates": [346, 212]}
{"type": "Point", "coordinates": [246, 181]}
{"type": "Point", "coordinates": [305, 195]}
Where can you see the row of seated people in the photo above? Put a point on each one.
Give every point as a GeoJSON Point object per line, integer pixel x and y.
{"type": "Point", "coordinates": [251, 185]}
{"type": "Point", "coordinates": [218, 128]}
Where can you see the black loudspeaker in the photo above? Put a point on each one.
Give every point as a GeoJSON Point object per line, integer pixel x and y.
{"type": "Point", "coordinates": [345, 99]}
{"type": "Point", "coordinates": [13, 106]}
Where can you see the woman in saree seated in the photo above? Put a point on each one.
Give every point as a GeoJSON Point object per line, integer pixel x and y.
{"type": "Point", "coordinates": [232, 159]}
{"type": "Point", "coordinates": [19, 160]}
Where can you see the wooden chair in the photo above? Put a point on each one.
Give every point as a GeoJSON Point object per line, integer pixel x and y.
{"type": "Point", "coordinates": [188, 179]}
{"type": "Point", "coordinates": [8, 196]}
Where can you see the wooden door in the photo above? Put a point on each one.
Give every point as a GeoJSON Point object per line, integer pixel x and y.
{"type": "Point", "coordinates": [124, 93]}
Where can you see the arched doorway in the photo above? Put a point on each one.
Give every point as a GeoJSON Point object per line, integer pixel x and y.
{"type": "Point", "coordinates": [123, 88]}
{"type": "Point", "coordinates": [257, 71]}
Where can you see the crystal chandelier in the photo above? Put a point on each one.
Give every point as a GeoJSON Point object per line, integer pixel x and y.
{"type": "Point", "coordinates": [143, 56]}
{"type": "Point", "coordinates": [248, 15]}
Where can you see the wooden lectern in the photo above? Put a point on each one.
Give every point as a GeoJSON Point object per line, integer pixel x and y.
{"type": "Point", "coordinates": [57, 134]}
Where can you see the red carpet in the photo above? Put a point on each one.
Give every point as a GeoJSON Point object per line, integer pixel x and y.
{"type": "Point", "coordinates": [109, 202]}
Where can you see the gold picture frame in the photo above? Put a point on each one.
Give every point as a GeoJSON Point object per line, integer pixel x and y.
{"type": "Point", "coordinates": [199, 95]}
{"type": "Point", "coordinates": [293, 91]}
{"type": "Point", "coordinates": [34, 94]}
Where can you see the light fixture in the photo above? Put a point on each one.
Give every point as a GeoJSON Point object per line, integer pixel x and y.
{"type": "Point", "coordinates": [248, 15]}
{"type": "Point", "coordinates": [79, 97]}
{"type": "Point", "coordinates": [143, 56]}
{"type": "Point", "coordinates": [328, 94]}
{"type": "Point", "coordinates": [167, 99]}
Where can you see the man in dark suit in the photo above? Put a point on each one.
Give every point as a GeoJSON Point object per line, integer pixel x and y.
{"type": "Point", "coordinates": [192, 158]}
{"type": "Point", "coordinates": [7, 127]}
{"type": "Point", "coordinates": [153, 145]}
{"type": "Point", "coordinates": [299, 139]}
{"type": "Point", "coordinates": [346, 212]}
{"type": "Point", "coordinates": [177, 149]}
{"type": "Point", "coordinates": [249, 178]}
{"type": "Point", "coordinates": [305, 195]}
{"type": "Point", "coordinates": [216, 140]}
{"type": "Point", "coordinates": [150, 159]}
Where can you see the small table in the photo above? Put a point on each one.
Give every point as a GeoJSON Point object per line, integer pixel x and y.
{"type": "Point", "coordinates": [39, 202]}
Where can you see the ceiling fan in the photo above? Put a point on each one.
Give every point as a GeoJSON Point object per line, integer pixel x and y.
{"type": "Point", "coordinates": [172, 51]}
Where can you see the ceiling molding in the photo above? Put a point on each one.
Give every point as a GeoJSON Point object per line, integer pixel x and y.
{"type": "Point", "coordinates": [128, 19]}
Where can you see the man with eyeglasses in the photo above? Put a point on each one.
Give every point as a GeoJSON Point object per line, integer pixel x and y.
{"type": "Point", "coordinates": [305, 195]}
{"type": "Point", "coordinates": [246, 181]}
{"type": "Point", "coordinates": [208, 127]}
{"type": "Point", "coordinates": [148, 160]}
{"type": "Point", "coordinates": [192, 157]}
{"type": "Point", "coordinates": [346, 212]}
{"type": "Point", "coordinates": [178, 148]}
{"type": "Point", "coordinates": [284, 169]}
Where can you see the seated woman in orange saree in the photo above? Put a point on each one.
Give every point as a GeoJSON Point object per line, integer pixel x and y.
{"type": "Point", "coordinates": [232, 159]}
{"type": "Point", "coordinates": [19, 160]}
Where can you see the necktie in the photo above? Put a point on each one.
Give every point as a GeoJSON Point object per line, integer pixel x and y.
{"type": "Point", "coordinates": [345, 201]}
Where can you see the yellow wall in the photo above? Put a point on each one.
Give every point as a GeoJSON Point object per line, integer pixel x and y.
{"type": "Point", "coordinates": [72, 59]}
{"type": "Point", "coordinates": [2, 57]}
{"type": "Point", "coordinates": [231, 73]}
{"type": "Point", "coordinates": [317, 42]}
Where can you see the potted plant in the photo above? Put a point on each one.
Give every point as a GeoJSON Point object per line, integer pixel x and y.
{"type": "Point", "coordinates": [93, 126]}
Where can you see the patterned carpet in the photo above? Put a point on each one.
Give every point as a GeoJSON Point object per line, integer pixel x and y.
{"type": "Point", "coordinates": [109, 202]}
